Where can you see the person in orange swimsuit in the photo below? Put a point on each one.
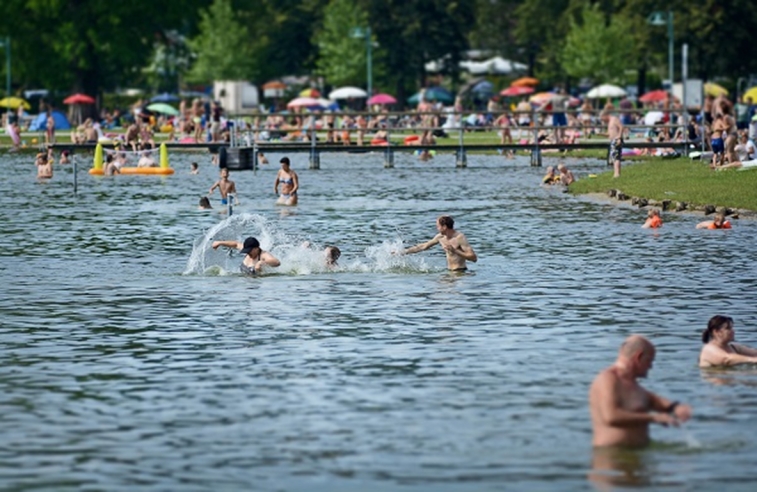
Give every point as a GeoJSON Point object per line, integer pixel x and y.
{"type": "Point", "coordinates": [654, 220]}
{"type": "Point", "coordinates": [718, 222]}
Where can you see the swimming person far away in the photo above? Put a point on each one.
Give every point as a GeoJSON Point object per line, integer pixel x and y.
{"type": "Point", "coordinates": [718, 222]}
{"type": "Point", "coordinates": [453, 242]}
{"type": "Point", "coordinates": [654, 220]}
{"type": "Point", "coordinates": [621, 409]}
{"type": "Point", "coordinates": [255, 259]}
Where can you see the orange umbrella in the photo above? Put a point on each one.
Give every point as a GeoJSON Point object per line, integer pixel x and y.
{"type": "Point", "coordinates": [541, 97]}
{"type": "Point", "coordinates": [274, 84]}
{"type": "Point", "coordinates": [525, 81]}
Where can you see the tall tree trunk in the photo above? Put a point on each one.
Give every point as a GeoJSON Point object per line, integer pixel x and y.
{"type": "Point", "coordinates": [641, 80]}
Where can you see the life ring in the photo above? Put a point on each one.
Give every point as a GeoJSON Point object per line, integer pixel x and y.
{"type": "Point", "coordinates": [412, 139]}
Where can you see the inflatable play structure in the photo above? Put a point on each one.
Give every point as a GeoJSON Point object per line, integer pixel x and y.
{"type": "Point", "coordinates": [163, 169]}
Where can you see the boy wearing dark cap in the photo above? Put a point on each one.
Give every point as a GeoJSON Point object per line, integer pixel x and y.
{"type": "Point", "coordinates": [255, 258]}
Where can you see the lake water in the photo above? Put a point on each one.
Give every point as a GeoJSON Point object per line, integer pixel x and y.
{"type": "Point", "coordinates": [136, 358]}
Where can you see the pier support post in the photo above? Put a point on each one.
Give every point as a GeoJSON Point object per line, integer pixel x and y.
{"type": "Point", "coordinates": [315, 160]}
{"type": "Point", "coordinates": [315, 157]}
{"type": "Point", "coordinates": [255, 159]}
{"type": "Point", "coordinates": [461, 158]}
{"type": "Point", "coordinates": [389, 158]}
{"type": "Point", "coordinates": [536, 157]}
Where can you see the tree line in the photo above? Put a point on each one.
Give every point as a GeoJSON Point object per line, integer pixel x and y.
{"type": "Point", "coordinates": [97, 46]}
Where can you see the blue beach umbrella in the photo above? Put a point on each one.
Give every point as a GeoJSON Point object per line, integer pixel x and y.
{"type": "Point", "coordinates": [165, 98]}
{"type": "Point", "coordinates": [433, 94]}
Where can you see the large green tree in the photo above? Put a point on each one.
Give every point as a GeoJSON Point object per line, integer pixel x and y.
{"type": "Point", "coordinates": [597, 48]}
{"type": "Point", "coordinates": [413, 32]}
{"type": "Point", "coordinates": [341, 56]}
{"type": "Point", "coordinates": [222, 47]}
{"type": "Point", "coordinates": [281, 35]}
{"type": "Point", "coordinates": [87, 45]}
{"type": "Point", "coordinates": [494, 28]}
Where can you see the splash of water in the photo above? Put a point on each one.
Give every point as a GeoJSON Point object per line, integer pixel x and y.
{"type": "Point", "coordinates": [297, 255]}
{"type": "Point", "coordinates": [205, 260]}
{"type": "Point", "coordinates": [691, 441]}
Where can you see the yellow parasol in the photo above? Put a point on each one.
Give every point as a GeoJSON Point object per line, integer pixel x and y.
{"type": "Point", "coordinates": [750, 93]}
{"type": "Point", "coordinates": [715, 90]}
{"type": "Point", "coordinates": [14, 102]}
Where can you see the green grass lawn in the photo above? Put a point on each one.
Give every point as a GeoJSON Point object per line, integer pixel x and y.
{"type": "Point", "coordinates": [681, 180]}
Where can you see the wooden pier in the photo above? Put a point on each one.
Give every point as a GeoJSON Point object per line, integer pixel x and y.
{"type": "Point", "coordinates": [240, 158]}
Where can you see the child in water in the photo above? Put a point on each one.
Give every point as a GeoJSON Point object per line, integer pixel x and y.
{"type": "Point", "coordinates": [654, 220]}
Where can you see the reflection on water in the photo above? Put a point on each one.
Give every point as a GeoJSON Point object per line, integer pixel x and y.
{"type": "Point", "coordinates": [612, 467]}
{"type": "Point", "coordinates": [136, 356]}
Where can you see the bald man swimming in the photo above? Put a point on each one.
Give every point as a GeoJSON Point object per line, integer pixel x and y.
{"type": "Point", "coordinates": [621, 409]}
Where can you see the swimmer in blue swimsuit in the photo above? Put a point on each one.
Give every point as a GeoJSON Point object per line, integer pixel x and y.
{"type": "Point", "coordinates": [226, 187]}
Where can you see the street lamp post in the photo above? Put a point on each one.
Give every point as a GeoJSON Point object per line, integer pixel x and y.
{"type": "Point", "coordinates": [661, 19]}
{"type": "Point", "coordinates": [7, 44]}
{"type": "Point", "coordinates": [360, 32]}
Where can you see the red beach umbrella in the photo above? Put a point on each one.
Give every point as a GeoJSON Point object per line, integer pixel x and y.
{"type": "Point", "coordinates": [654, 96]}
{"type": "Point", "coordinates": [79, 99]}
{"type": "Point", "coordinates": [518, 90]}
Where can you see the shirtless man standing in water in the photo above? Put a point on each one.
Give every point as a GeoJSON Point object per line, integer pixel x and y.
{"type": "Point", "coordinates": [621, 409]}
{"type": "Point", "coordinates": [454, 243]}
{"type": "Point", "coordinates": [226, 187]}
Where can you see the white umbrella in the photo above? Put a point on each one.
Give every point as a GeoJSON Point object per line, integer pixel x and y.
{"type": "Point", "coordinates": [347, 93]}
{"type": "Point", "coordinates": [606, 90]}
{"type": "Point", "coordinates": [653, 117]}
{"type": "Point", "coordinates": [303, 102]}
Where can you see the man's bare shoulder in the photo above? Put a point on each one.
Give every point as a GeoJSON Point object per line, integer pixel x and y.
{"type": "Point", "coordinates": [606, 376]}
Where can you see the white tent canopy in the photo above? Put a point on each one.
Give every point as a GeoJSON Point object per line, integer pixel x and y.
{"type": "Point", "coordinates": [496, 65]}
{"type": "Point", "coordinates": [606, 90]}
{"type": "Point", "coordinates": [347, 93]}
{"type": "Point", "coordinates": [493, 66]}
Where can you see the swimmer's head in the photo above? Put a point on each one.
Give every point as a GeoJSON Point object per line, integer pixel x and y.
{"type": "Point", "coordinates": [653, 212]}
{"type": "Point", "coordinates": [550, 169]}
{"type": "Point", "coordinates": [332, 254]}
{"type": "Point", "coordinates": [250, 244]}
{"type": "Point", "coordinates": [716, 323]}
{"type": "Point", "coordinates": [446, 221]}
{"type": "Point", "coordinates": [561, 167]}
{"type": "Point", "coordinates": [205, 203]}
{"type": "Point", "coordinates": [718, 219]}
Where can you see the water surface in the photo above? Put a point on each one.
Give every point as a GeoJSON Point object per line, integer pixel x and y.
{"type": "Point", "coordinates": [136, 357]}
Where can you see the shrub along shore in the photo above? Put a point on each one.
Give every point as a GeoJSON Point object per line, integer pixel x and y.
{"type": "Point", "coordinates": [676, 184]}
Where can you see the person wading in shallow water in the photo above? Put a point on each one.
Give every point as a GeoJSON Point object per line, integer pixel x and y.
{"type": "Point", "coordinates": [290, 183]}
{"type": "Point", "coordinates": [621, 409]}
{"type": "Point", "coordinates": [454, 243]}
